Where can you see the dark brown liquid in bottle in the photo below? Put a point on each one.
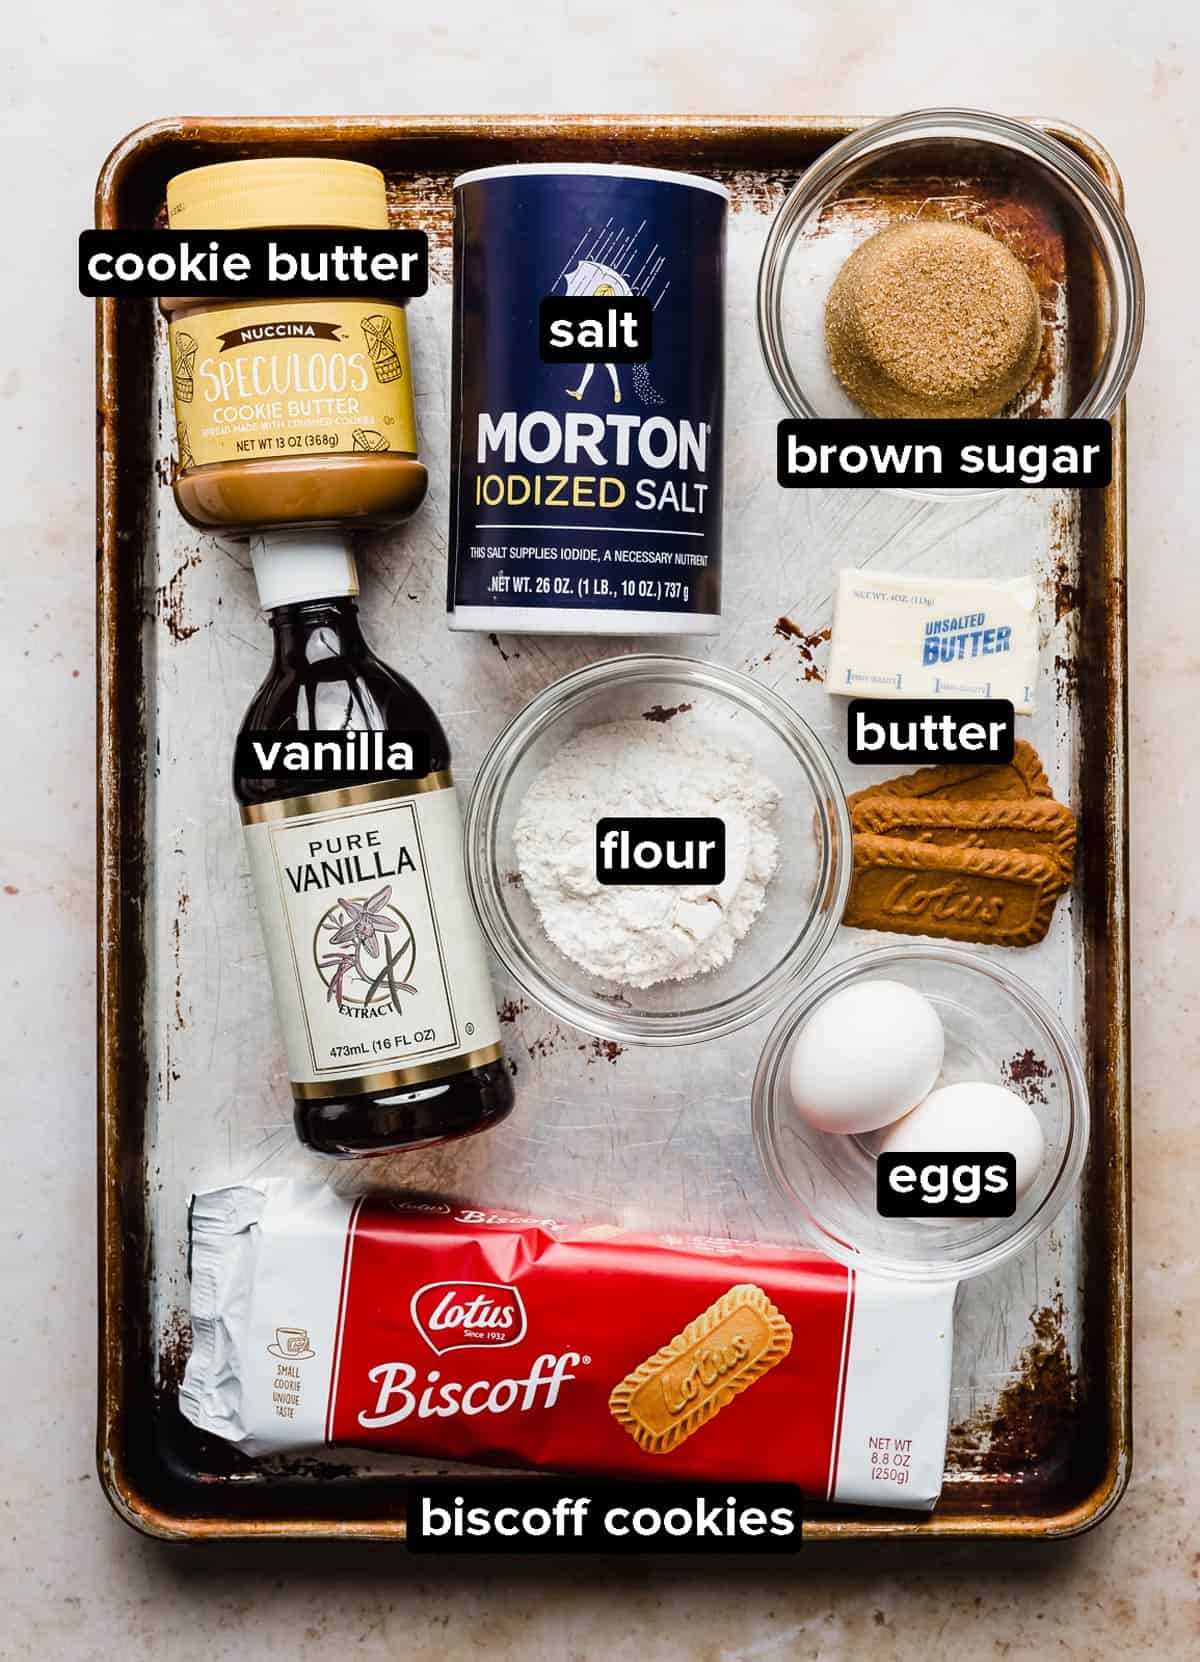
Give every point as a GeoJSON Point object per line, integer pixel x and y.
{"type": "Point", "coordinates": [325, 678]}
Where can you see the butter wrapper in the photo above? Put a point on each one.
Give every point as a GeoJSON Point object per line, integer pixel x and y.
{"type": "Point", "coordinates": [934, 637]}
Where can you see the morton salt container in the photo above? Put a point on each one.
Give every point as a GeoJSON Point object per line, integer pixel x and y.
{"type": "Point", "coordinates": [586, 498]}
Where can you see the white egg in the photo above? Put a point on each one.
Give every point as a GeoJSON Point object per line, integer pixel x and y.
{"type": "Point", "coordinates": [865, 1056]}
{"type": "Point", "coordinates": [972, 1119]}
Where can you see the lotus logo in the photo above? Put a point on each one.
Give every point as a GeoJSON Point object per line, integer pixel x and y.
{"type": "Point", "coordinates": [459, 1315]}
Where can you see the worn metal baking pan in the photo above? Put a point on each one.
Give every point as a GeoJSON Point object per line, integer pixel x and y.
{"type": "Point", "coordinates": [192, 1088]}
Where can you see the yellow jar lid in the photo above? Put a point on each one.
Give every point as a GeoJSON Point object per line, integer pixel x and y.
{"type": "Point", "coordinates": [278, 191]}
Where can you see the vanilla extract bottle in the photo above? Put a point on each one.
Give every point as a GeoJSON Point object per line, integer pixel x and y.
{"type": "Point", "coordinates": [378, 967]}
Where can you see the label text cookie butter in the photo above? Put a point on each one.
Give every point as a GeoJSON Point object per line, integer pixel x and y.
{"type": "Point", "coordinates": [192, 265]}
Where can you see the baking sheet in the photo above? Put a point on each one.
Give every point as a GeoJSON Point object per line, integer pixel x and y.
{"type": "Point", "coordinates": [657, 1139]}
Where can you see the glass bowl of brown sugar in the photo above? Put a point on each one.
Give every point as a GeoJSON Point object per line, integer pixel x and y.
{"type": "Point", "coordinates": [951, 262]}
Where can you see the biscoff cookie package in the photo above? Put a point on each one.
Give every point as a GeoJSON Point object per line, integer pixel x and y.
{"type": "Point", "coordinates": [437, 1329]}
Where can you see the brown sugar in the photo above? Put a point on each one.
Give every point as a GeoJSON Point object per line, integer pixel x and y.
{"type": "Point", "coordinates": [933, 318]}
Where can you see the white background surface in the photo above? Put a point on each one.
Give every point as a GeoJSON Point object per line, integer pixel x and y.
{"type": "Point", "coordinates": [74, 1581]}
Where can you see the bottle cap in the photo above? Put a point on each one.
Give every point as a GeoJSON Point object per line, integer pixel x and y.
{"type": "Point", "coordinates": [294, 566]}
{"type": "Point", "coordinates": [278, 191]}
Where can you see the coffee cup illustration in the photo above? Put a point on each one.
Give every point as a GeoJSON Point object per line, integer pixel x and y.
{"type": "Point", "coordinates": [291, 1344]}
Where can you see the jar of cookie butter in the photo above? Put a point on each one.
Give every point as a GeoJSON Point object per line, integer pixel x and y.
{"type": "Point", "coordinates": [290, 411]}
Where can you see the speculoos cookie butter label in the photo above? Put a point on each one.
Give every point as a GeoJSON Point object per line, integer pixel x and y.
{"type": "Point", "coordinates": [294, 378]}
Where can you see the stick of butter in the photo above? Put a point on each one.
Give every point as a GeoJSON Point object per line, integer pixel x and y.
{"type": "Point", "coordinates": [934, 637]}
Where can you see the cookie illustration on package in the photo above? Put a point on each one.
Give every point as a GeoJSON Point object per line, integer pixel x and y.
{"type": "Point", "coordinates": [717, 1356]}
{"type": "Point", "coordinates": [183, 359]}
{"type": "Point", "coordinates": [381, 348]}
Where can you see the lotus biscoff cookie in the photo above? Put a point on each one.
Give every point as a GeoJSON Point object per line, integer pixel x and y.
{"type": "Point", "coordinates": [997, 896]}
{"type": "Point", "coordinates": [1037, 825]}
{"type": "Point", "coordinates": [715, 1358]}
{"type": "Point", "coordinates": [1021, 778]}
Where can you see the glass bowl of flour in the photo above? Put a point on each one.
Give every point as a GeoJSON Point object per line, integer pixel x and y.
{"type": "Point", "coordinates": [646, 742]}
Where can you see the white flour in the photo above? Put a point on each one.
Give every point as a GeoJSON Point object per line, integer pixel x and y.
{"type": "Point", "coordinates": [638, 936]}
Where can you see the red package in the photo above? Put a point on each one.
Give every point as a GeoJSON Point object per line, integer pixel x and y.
{"type": "Point", "coordinates": [450, 1331]}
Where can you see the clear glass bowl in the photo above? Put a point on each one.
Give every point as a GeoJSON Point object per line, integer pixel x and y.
{"type": "Point", "coordinates": [805, 899]}
{"type": "Point", "coordinates": [998, 1030]}
{"type": "Point", "coordinates": [1027, 188]}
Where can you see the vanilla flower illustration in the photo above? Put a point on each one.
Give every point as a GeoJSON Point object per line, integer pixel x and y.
{"type": "Point", "coordinates": [364, 924]}
{"type": "Point", "coordinates": [357, 926]}
{"type": "Point", "coordinates": [339, 963]}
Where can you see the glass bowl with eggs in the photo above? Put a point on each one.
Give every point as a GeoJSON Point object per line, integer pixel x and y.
{"type": "Point", "coordinates": [919, 1050]}
{"type": "Point", "coordinates": [648, 738]}
{"type": "Point", "coordinates": [950, 263]}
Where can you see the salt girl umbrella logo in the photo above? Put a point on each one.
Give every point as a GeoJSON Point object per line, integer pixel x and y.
{"type": "Point", "coordinates": [365, 953]}
{"type": "Point", "coordinates": [609, 260]}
